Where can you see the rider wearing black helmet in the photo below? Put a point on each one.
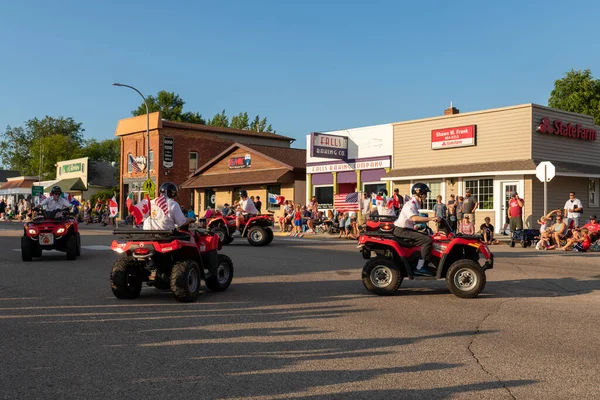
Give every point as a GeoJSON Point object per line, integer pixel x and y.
{"type": "Point", "coordinates": [55, 201]}
{"type": "Point", "coordinates": [245, 209]}
{"type": "Point", "coordinates": [165, 212]}
{"type": "Point", "coordinates": [406, 222]}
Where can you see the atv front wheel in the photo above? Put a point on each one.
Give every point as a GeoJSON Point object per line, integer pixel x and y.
{"type": "Point", "coordinates": [222, 279]}
{"type": "Point", "coordinates": [185, 281]}
{"type": "Point", "coordinates": [381, 276]}
{"type": "Point", "coordinates": [221, 232]}
{"type": "Point", "coordinates": [71, 247]}
{"type": "Point", "coordinates": [465, 279]}
{"type": "Point", "coordinates": [257, 236]}
{"type": "Point", "coordinates": [26, 248]}
{"type": "Point", "coordinates": [125, 279]}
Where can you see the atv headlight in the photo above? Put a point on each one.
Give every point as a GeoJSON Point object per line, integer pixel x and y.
{"type": "Point", "coordinates": [60, 231]}
{"type": "Point", "coordinates": [32, 232]}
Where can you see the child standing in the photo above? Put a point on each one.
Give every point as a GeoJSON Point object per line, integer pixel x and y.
{"type": "Point", "coordinates": [297, 222]}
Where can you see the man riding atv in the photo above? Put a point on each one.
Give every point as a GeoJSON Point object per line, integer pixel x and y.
{"type": "Point", "coordinates": [405, 227]}
{"type": "Point", "coordinates": [245, 210]}
{"type": "Point", "coordinates": [55, 201]}
{"type": "Point", "coordinates": [165, 212]}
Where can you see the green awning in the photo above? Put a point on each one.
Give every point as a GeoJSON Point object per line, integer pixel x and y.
{"type": "Point", "coordinates": [68, 185]}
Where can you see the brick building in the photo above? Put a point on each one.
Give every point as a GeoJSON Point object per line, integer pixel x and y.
{"type": "Point", "coordinates": [177, 149]}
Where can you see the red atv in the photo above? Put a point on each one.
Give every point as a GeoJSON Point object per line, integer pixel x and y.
{"type": "Point", "coordinates": [258, 229]}
{"type": "Point", "coordinates": [52, 230]}
{"type": "Point", "coordinates": [460, 259]}
{"type": "Point", "coordinates": [176, 260]}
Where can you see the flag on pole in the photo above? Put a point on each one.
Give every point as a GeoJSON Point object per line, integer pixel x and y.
{"type": "Point", "coordinates": [129, 201]}
{"type": "Point", "coordinates": [161, 201]}
{"type": "Point", "coordinates": [141, 210]}
{"type": "Point", "coordinates": [114, 207]}
{"type": "Point", "coordinates": [134, 165]}
{"type": "Point", "coordinates": [71, 199]}
{"type": "Point", "coordinates": [276, 199]}
{"type": "Point", "coordinates": [346, 202]}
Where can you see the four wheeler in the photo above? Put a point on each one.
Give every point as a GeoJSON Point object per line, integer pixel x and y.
{"type": "Point", "coordinates": [52, 230]}
{"type": "Point", "coordinates": [258, 229]}
{"type": "Point", "coordinates": [176, 260]}
{"type": "Point", "coordinates": [460, 259]}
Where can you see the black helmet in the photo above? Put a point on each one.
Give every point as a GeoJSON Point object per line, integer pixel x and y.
{"type": "Point", "coordinates": [243, 193]}
{"type": "Point", "coordinates": [420, 188]}
{"type": "Point", "coordinates": [380, 193]}
{"type": "Point", "coordinates": [168, 188]}
{"type": "Point", "coordinates": [56, 190]}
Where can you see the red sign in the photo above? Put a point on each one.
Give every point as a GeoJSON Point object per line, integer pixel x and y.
{"type": "Point", "coordinates": [240, 162]}
{"type": "Point", "coordinates": [559, 128]}
{"type": "Point", "coordinates": [460, 136]}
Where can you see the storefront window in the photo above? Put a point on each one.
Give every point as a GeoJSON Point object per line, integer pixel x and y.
{"type": "Point", "coordinates": [436, 190]}
{"type": "Point", "coordinates": [594, 192]}
{"type": "Point", "coordinates": [483, 191]}
{"type": "Point", "coordinates": [324, 195]}
{"type": "Point", "coordinates": [129, 167]}
{"type": "Point", "coordinates": [193, 161]}
{"type": "Point", "coordinates": [273, 189]}
{"type": "Point", "coordinates": [373, 187]}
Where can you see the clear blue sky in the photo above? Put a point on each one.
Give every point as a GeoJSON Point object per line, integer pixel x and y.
{"type": "Point", "coordinates": [318, 65]}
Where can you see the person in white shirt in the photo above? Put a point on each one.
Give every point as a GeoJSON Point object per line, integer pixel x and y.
{"type": "Point", "coordinates": [365, 208]}
{"type": "Point", "coordinates": [405, 226]}
{"type": "Point", "coordinates": [245, 209]}
{"type": "Point", "coordinates": [573, 209]}
{"type": "Point", "coordinates": [165, 213]}
{"type": "Point", "coordinates": [55, 201]}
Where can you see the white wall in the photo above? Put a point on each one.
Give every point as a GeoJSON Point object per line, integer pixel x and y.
{"type": "Point", "coordinates": [365, 142]}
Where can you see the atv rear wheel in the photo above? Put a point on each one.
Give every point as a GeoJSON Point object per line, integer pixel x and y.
{"type": "Point", "coordinates": [270, 236]}
{"type": "Point", "coordinates": [221, 232]}
{"type": "Point", "coordinates": [71, 247]}
{"type": "Point", "coordinates": [185, 281]}
{"type": "Point", "coordinates": [228, 240]}
{"type": "Point", "coordinates": [465, 279]}
{"type": "Point", "coordinates": [222, 279]}
{"type": "Point", "coordinates": [257, 236]}
{"type": "Point", "coordinates": [26, 248]}
{"type": "Point", "coordinates": [381, 276]}
{"type": "Point", "coordinates": [125, 279]}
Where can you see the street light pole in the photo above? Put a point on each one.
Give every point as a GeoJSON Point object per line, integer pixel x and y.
{"type": "Point", "coordinates": [147, 126]}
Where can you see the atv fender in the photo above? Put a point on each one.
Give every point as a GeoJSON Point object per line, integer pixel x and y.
{"type": "Point", "coordinates": [210, 263]}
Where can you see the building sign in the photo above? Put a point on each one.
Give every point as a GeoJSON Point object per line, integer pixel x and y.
{"type": "Point", "coordinates": [168, 152]}
{"type": "Point", "coordinates": [329, 146]}
{"type": "Point", "coordinates": [141, 162]}
{"type": "Point", "coordinates": [559, 128]}
{"type": "Point", "coordinates": [240, 162]}
{"type": "Point", "coordinates": [37, 191]}
{"type": "Point", "coordinates": [460, 136]}
{"type": "Point", "coordinates": [69, 168]}
{"type": "Point", "coordinates": [361, 165]}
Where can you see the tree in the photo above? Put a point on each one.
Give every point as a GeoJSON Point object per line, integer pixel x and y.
{"type": "Point", "coordinates": [170, 106]}
{"type": "Point", "coordinates": [220, 119]}
{"type": "Point", "coordinates": [108, 150]}
{"type": "Point", "coordinates": [241, 121]}
{"type": "Point", "coordinates": [578, 92]}
{"type": "Point", "coordinates": [20, 147]}
{"type": "Point", "coordinates": [260, 125]}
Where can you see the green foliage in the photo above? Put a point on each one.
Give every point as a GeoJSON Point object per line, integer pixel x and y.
{"type": "Point", "coordinates": [220, 119]}
{"type": "Point", "coordinates": [578, 92]}
{"type": "Point", "coordinates": [241, 121]}
{"type": "Point", "coordinates": [108, 150]}
{"type": "Point", "coordinates": [170, 106]}
{"type": "Point", "coordinates": [20, 146]}
{"type": "Point", "coordinates": [104, 195]}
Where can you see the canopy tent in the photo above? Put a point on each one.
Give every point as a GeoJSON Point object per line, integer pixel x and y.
{"type": "Point", "coordinates": [68, 185]}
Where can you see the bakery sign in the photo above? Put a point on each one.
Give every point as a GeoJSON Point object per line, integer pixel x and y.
{"type": "Point", "coordinates": [328, 146]}
{"type": "Point", "coordinates": [460, 136]}
{"type": "Point", "coordinates": [559, 128]}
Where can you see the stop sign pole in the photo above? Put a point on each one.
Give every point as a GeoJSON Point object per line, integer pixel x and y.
{"type": "Point", "coordinates": [545, 190]}
{"type": "Point", "coordinates": [545, 172]}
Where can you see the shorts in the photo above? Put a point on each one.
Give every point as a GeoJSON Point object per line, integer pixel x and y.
{"type": "Point", "coordinates": [578, 247]}
{"type": "Point", "coordinates": [516, 223]}
{"type": "Point", "coordinates": [297, 222]}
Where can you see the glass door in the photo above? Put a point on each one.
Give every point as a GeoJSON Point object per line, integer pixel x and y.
{"type": "Point", "coordinates": [507, 189]}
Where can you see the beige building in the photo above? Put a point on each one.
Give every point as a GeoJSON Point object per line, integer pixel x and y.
{"type": "Point", "coordinates": [494, 152]}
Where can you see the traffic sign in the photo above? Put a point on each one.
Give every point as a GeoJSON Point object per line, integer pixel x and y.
{"type": "Point", "coordinates": [545, 171]}
{"type": "Point", "coordinates": [37, 191]}
{"type": "Point", "coordinates": [149, 187]}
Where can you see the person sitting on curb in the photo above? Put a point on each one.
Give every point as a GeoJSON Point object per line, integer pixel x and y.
{"type": "Point", "coordinates": [487, 231]}
{"type": "Point", "coordinates": [581, 242]}
{"type": "Point", "coordinates": [557, 232]}
{"type": "Point", "coordinates": [467, 227]}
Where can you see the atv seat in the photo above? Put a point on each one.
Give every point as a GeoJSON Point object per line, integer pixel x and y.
{"type": "Point", "coordinates": [389, 235]}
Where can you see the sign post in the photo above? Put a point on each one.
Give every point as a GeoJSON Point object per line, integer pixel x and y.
{"type": "Point", "coordinates": [545, 172]}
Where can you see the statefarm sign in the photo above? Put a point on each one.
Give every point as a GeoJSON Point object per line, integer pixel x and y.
{"type": "Point", "coordinates": [460, 136]}
{"type": "Point", "coordinates": [559, 128]}
{"type": "Point", "coordinates": [329, 146]}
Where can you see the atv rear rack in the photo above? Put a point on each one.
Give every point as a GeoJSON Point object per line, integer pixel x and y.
{"type": "Point", "coordinates": [138, 234]}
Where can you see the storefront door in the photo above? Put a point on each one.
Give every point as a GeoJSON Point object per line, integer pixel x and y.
{"type": "Point", "coordinates": [209, 199]}
{"type": "Point", "coordinates": [507, 189]}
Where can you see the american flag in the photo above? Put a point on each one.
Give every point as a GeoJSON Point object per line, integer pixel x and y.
{"type": "Point", "coordinates": [346, 202]}
{"type": "Point", "coordinates": [134, 165]}
{"type": "Point", "coordinates": [161, 201]}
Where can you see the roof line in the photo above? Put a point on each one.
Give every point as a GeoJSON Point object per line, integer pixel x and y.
{"type": "Point", "coordinates": [244, 132]}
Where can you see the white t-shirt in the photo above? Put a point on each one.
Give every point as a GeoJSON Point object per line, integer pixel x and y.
{"type": "Point", "coordinates": [52, 204]}
{"type": "Point", "coordinates": [409, 209]}
{"type": "Point", "coordinates": [575, 204]}
{"type": "Point", "coordinates": [157, 220]}
{"type": "Point", "coordinates": [365, 205]}
{"type": "Point", "coordinates": [248, 206]}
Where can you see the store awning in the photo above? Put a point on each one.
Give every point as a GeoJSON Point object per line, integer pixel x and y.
{"type": "Point", "coordinates": [238, 179]}
{"type": "Point", "coordinates": [68, 185]}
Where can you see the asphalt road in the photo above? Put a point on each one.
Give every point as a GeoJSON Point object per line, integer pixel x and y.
{"type": "Point", "coordinates": [298, 323]}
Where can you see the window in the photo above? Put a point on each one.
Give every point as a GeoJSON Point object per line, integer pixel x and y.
{"type": "Point", "coordinates": [436, 190]}
{"type": "Point", "coordinates": [373, 187]}
{"type": "Point", "coordinates": [594, 192]}
{"type": "Point", "coordinates": [273, 189]}
{"type": "Point", "coordinates": [151, 160]}
{"type": "Point", "coordinates": [129, 167]}
{"type": "Point", "coordinates": [193, 161]}
{"type": "Point", "coordinates": [483, 191]}
{"type": "Point", "coordinates": [324, 195]}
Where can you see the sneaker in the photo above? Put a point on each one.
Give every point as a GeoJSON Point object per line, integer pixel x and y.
{"type": "Point", "coordinates": [423, 272]}
{"type": "Point", "coordinates": [236, 234]}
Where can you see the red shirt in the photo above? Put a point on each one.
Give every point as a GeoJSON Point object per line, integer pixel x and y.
{"type": "Point", "coordinates": [586, 244]}
{"type": "Point", "coordinates": [297, 215]}
{"type": "Point", "coordinates": [515, 210]}
{"type": "Point", "coordinates": [592, 228]}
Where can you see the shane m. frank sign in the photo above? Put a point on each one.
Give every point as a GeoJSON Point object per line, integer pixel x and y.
{"type": "Point", "coordinates": [460, 136]}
